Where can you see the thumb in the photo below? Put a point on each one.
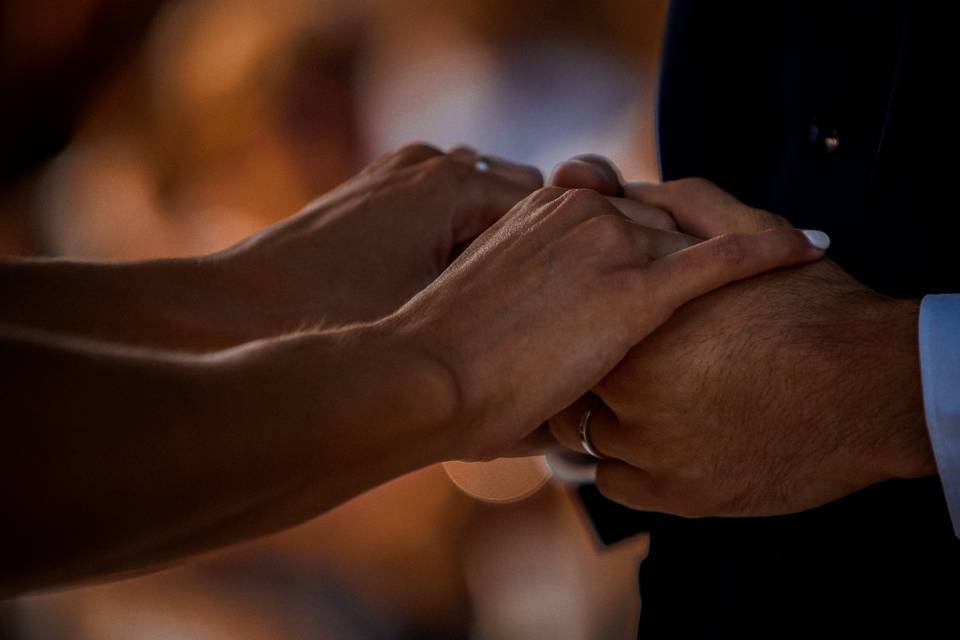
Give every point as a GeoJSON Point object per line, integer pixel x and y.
{"type": "Point", "coordinates": [692, 272]}
{"type": "Point", "coordinates": [703, 209]}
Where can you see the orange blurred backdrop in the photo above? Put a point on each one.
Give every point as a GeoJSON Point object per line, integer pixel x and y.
{"type": "Point", "coordinates": [164, 128]}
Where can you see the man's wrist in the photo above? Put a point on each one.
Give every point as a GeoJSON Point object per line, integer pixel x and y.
{"type": "Point", "coordinates": [906, 443]}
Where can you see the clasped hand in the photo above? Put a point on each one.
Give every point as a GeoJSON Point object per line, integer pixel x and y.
{"type": "Point", "coordinates": [437, 307]}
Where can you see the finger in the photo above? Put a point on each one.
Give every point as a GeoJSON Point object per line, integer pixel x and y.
{"type": "Point", "coordinates": [484, 199]}
{"type": "Point", "coordinates": [600, 223]}
{"type": "Point", "coordinates": [587, 174]}
{"type": "Point", "coordinates": [682, 276]}
{"type": "Point", "coordinates": [462, 150]}
{"type": "Point", "coordinates": [525, 175]}
{"type": "Point", "coordinates": [565, 426]}
{"type": "Point", "coordinates": [630, 486]}
{"type": "Point", "coordinates": [540, 442]}
{"type": "Point", "coordinates": [605, 165]}
{"type": "Point", "coordinates": [638, 212]}
{"type": "Point", "coordinates": [702, 208]}
{"type": "Point", "coordinates": [409, 155]}
{"type": "Point", "coordinates": [652, 244]}
{"type": "Point", "coordinates": [644, 214]}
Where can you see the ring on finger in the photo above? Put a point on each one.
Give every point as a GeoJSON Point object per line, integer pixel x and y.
{"type": "Point", "coordinates": [585, 442]}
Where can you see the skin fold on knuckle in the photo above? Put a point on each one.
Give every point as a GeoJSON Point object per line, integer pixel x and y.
{"type": "Point", "coordinates": [660, 219]}
{"type": "Point", "coordinates": [544, 195]}
{"type": "Point", "coordinates": [762, 219]}
{"type": "Point", "coordinates": [606, 235]}
{"type": "Point", "coordinates": [584, 200]}
{"type": "Point", "coordinates": [732, 251]}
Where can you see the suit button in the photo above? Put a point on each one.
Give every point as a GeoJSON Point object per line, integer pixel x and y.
{"type": "Point", "coordinates": [826, 138]}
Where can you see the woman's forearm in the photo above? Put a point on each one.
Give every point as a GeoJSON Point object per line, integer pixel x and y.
{"type": "Point", "coordinates": [192, 304]}
{"type": "Point", "coordinates": [129, 460]}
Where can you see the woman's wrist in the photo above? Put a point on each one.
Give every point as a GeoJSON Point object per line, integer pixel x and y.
{"type": "Point", "coordinates": [206, 303]}
{"type": "Point", "coordinates": [354, 406]}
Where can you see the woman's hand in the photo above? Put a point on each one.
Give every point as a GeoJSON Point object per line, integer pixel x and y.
{"type": "Point", "coordinates": [246, 441]}
{"type": "Point", "coordinates": [361, 251]}
{"type": "Point", "coordinates": [357, 253]}
{"type": "Point", "coordinates": [544, 304]}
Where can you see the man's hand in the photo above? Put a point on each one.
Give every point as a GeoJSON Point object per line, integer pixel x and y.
{"type": "Point", "coordinates": [769, 396]}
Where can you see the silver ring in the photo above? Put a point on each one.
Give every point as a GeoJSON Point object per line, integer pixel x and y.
{"type": "Point", "coordinates": [585, 441]}
{"type": "Point", "coordinates": [481, 164]}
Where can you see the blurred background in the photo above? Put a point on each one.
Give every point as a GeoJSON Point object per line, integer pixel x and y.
{"type": "Point", "coordinates": [161, 128]}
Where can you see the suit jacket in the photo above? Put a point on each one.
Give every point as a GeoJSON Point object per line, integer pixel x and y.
{"type": "Point", "coordinates": [839, 116]}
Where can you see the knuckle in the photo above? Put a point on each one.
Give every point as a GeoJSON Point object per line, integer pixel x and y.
{"type": "Point", "coordinates": [446, 166]}
{"type": "Point", "coordinates": [629, 283]}
{"type": "Point", "coordinates": [660, 219]}
{"type": "Point", "coordinates": [583, 197]}
{"type": "Point", "coordinates": [545, 194]}
{"type": "Point", "coordinates": [418, 150]}
{"type": "Point", "coordinates": [778, 220]}
{"type": "Point", "coordinates": [761, 220]}
{"type": "Point", "coordinates": [732, 250]}
{"type": "Point", "coordinates": [607, 233]}
{"type": "Point", "coordinates": [542, 197]}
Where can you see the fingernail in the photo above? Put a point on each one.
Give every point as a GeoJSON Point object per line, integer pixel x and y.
{"type": "Point", "coordinates": [818, 239]}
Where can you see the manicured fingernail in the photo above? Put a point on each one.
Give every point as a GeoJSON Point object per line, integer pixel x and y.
{"type": "Point", "coordinates": [818, 239]}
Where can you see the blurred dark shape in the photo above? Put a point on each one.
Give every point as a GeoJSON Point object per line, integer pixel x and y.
{"type": "Point", "coordinates": [54, 57]}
